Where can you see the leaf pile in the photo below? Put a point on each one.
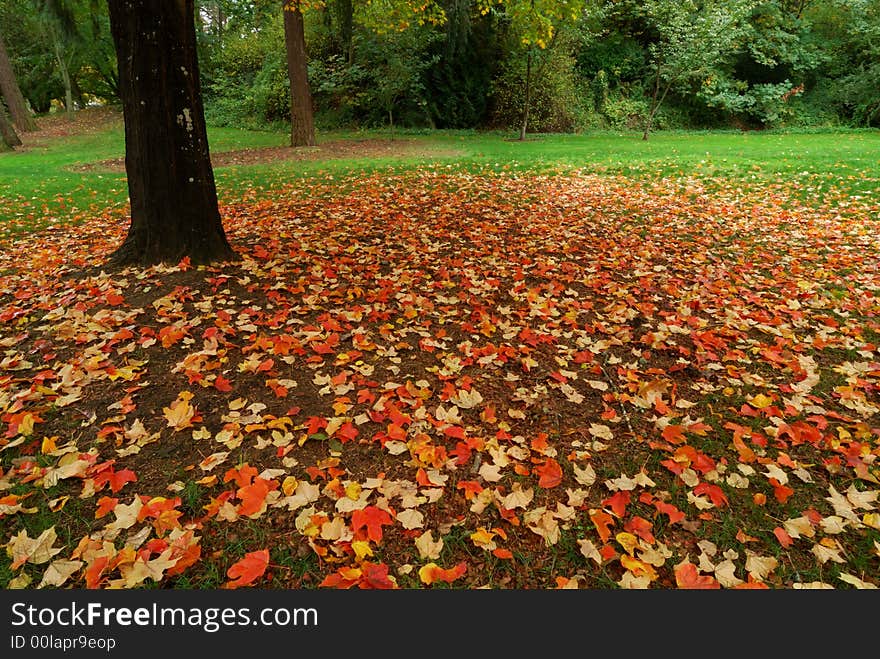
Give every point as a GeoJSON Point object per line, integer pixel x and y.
{"type": "Point", "coordinates": [441, 379]}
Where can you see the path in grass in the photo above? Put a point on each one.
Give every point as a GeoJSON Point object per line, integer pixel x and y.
{"type": "Point", "coordinates": [453, 378]}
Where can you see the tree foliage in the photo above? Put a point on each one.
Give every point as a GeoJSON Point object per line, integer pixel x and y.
{"type": "Point", "coordinates": [471, 63]}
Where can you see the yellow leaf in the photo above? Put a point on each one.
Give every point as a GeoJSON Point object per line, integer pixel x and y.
{"type": "Point", "coordinates": [628, 541]}
{"type": "Point", "coordinates": [638, 568]}
{"type": "Point", "coordinates": [483, 538]}
{"type": "Point", "coordinates": [872, 520]}
{"type": "Point", "coordinates": [761, 401]}
{"type": "Point", "coordinates": [361, 549]}
{"type": "Point", "coordinates": [289, 485]}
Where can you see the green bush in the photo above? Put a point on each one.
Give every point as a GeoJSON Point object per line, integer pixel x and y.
{"type": "Point", "coordinates": [559, 103]}
{"type": "Point", "coordinates": [246, 82]}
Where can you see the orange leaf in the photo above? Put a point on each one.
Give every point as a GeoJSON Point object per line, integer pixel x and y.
{"type": "Point", "coordinates": [687, 576]}
{"type": "Point", "coordinates": [714, 492]}
{"type": "Point", "coordinates": [618, 502]}
{"type": "Point", "coordinates": [222, 384]}
{"type": "Point", "coordinates": [783, 537]}
{"type": "Point", "coordinates": [242, 476]}
{"type": "Point", "coordinates": [432, 572]}
{"type": "Point", "coordinates": [253, 497]}
{"type": "Point", "coordinates": [550, 473]}
{"type": "Point", "coordinates": [780, 491]}
{"type": "Point", "coordinates": [105, 505]}
{"type": "Point", "coordinates": [602, 520]}
{"type": "Point", "coordinates": [675, 515]}
{"type": "Point", "coordinates": [248, 569]}
{"type": "Point", "coordinates": [373, 519]}
{"type": "Point", "coordinates": [118, 479]}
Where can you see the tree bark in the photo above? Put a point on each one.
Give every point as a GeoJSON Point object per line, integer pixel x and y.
{"type": "Point", "coordinates": [8, 137]}
{"type": "Point", "coordinates": [656, 101]}
{"type": "Point", "coordinates": [528, 101]}
{"type": "Point", "coordinates": [302, 120]}
{"type": "Point", "coordinates": [174, 212]}
{"type": "Point", "coordinates": [65, 76]}
{"type": "Point", "coordinates": [18, 110]}
{"type": "Point", "coordinates": [345, 15]}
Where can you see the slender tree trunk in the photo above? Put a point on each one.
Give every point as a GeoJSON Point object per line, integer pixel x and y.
{"type": "Point", "coordinates": [656, 101]}
{"type": "Point", "coordinates": [65, 76]}
{"type": "Point", "coordinates": [8, 137]}
{"type": "Point", "coordinates": [18, 110]}
{"type": "Point", "coordinates": [345, 14]}
{"type": "Point", "coordinates": [171, 187]}
{"type": "Point", "coordinates": [302, 120]}
{"type": "Point", "coordinates": [528, 100]}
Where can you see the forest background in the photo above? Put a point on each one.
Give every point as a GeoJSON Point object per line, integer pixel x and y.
{"type": "Point", "coordinates": [467, 64]}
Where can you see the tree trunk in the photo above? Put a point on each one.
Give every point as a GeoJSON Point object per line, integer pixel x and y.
{"type": "Point", "coordinates": [345, 14]}
{"type": "Point", "coordinates": [656, 101]}
{"type": "Point", "coordinates": [528, 101]}
{"type": "Point", "coordinates": [302, 120]}
{"type": "Point", "coordinates": [8, 136]}
{"type": "Point", "coordinates": [18, 110]}
{"type": "Point", "coordinates": [65, 76]}
{"type": "Point", "coordinates": [171, 187]}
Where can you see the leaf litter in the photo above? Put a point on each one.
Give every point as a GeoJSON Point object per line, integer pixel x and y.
{"type": "Point", "coordinates": [451, 379]}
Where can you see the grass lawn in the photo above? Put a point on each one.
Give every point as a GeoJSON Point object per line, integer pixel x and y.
{"type": "Point", "coordinates": [457, 361]}
{"type": "Point", "coordinates": [46, 184]}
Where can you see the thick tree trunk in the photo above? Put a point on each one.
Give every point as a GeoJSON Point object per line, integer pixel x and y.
{"type": "Point", "coordinates": [171, 187]}
{"type": "Point", "coordinates": [10, 90]}
{"type": "Point", "coordinates": [302, 120]}
{"type": "Point", "coordinates": [8, 137]}
{"type": "Point", "coordinates": [528, 100]}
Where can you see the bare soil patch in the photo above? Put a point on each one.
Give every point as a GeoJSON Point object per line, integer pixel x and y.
{"type": "Point", "coordinates": [351, 149]}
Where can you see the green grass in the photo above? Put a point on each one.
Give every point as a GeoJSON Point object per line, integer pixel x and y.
{"type": "Point", "coordinates": [40, 186]}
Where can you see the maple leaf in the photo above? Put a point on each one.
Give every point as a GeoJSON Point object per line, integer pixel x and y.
{"type": "Point", "coordinates": [375, 576]}
{"type": "Point", "coordinates": [429, 548]}
{"type": "Point", "coordinates": [253, 497]}
{"type": "Point", "coordinates": [58, 572]}
{"type": "Point", "coordinates": [432, 572]}
{"type": "Point", "coordinates": [371, 518]}
{"type": "Point", "coordinates": [180, 414]}
{"type": "Point", "coordinates": [687, 577]}
{"type": "Point", "coordinates": [24, 549]}
{"type": "Point", "coordinates": [550, 473]}
{"type": "Point", "coordinates": [602, 520]}
{"type": "Point", "coordinates": [248, 569]}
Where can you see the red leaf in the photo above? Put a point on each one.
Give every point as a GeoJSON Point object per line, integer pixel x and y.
{"type": "Point", "coordinates": [371, 518]}
{"type": "Point", "coordinates": [783, 537]}
{"type": "Point", "coordinates": [714, 492]}
{"type": "Point", "coordinates": [618, 502]}
{"type": "Point", "coordinates": [375, 576]}
{"type": "Point", "coordinates": [248, 569]}
{"type": "Point", "coordinates": [118, 479]}
{"type": "Point", "coordinates": [222, 384]}
{"type": "Point", "coordinates": [105, 505]}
